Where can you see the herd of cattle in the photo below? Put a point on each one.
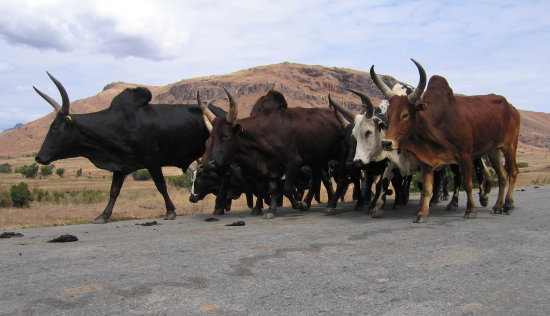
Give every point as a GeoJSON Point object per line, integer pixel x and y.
{"type": "Point", "coordinates": [283, 151]}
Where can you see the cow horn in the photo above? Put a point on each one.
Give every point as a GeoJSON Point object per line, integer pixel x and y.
{"type": "Point", "coordinates": [232, 114]}
{"type": "Point", "coordinates": [347, 113]}
{"type": "Point", "coordinates": [339, 116]}
{"type": "Point", "coordinates": [65, 103]}
{"type": "Point", "coordinates": [367, 103]}
{"type": "Point", "coordinates": [417, 93]}
{"type": "Point", "coordinates": [386, 91]}
{"type": "Point", "coordinates": [205, 110]}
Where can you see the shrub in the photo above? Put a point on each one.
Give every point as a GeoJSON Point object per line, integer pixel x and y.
{"type": "Point", "coordinates": [40, 194]}
{"type": "Point", "coordinates": [141, 175]}
{"type": "Point", "coordinates": [60, 172]}
{"type": "Point", "coordinates": [183, 181]}
{"type": "Point", "coordinates": [5, 168]}
{"type": "Point", "coordinates": [79, 173]}
{"type": "Point", "coordinates": [28, 171]}
{"type": "Point", "coordinates": [522, 165]}
{"type": "Point", "coordinates": [46, 171]}
{"type": "Point", "coordinates": [5, 198]}
{"type": "Point", "coordinates": [20, 195]}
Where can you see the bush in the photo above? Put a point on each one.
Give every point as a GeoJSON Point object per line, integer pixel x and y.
{"type": "Point", "coordinates": [46, 171]}
{"type": "Point", "coordinates": [40, 194]}
{"type": "Point", "coordinates": [79, 173]}
{"type": "Point", "coordinates": [20, 195]}
{"type": "Point", "coordinates": [28, 171]}
{"type": "Point", "coordinates": [183, 181]}
{"type": "Point", "coordinates": [141, 175]}
{"type": "Point", "coordinates": [522, 165]}
{"type": "Point", "coordinates": [5, 168]}
{"type": "Point", "coordinates": [60, 172]}
{"type": "Point", "coordinates": [5, 198]}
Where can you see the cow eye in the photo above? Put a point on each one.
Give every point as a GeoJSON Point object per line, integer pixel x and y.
{"type": "Point", "coordinates": [367, 133]}
{"type": "Point", "coordinates": [404, 116]}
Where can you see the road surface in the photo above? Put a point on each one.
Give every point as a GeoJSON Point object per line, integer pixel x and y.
{"type": "Point", "coordinates": [301, 263]}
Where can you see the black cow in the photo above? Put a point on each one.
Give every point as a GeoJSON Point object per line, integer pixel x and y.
{"type": "Point", "coordinates": [129, 135]}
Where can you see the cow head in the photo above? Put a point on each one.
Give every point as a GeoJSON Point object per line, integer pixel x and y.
{"type": "Point", "coordinates": [222, 135]}
{"type": "Point", "coordinates": [402, 111]}
{"type": "Point", "coordinates": [61, 134]}
{"type": "Point", "coordinates": [367, 129]}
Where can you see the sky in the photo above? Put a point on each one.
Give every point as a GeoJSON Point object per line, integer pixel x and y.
{"type": "Point", "coordinates": [481, 47]}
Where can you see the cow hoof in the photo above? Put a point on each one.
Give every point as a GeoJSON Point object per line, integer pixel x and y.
{"type": "Point", "coordinates": [496, 210]}
{"type": "Point", "coordinates": [219, 211]}
{"type": "Point", "coordinates": [470, 214]}
{"type": "Point", "coordinates": [256, 212]}
{"type": "Point", "coordinates": [484, 201]}
{"type": "Point", "coordinates": [378, 213]}
{"type": "Point", "coordinates": [303, 206]}
{"type": "Point", "coordinates": [359, 208]}
{"type": "Point", "coordinates": [100, 220]}
{"type": "Point", "coordinates": [268, 215]}
{"type": "Point", "coordinates": [451, 207]}
{"type": "Point", "coordinates": [508, 209]}
{"type": "Point", "coordinates": [170, 216]}
{"type": "Point", "coordinates": [420, 219]}
{"type": "Point", "coordinates": [330, 211]}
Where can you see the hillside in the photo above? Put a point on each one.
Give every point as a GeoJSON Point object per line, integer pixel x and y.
{"type": "Point", "coordinates": [302, 85]}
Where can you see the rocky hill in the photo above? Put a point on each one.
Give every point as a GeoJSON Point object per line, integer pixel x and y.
{"type": "Point", "coordinates": [302, 85]}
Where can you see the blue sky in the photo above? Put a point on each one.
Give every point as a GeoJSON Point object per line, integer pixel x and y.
{"type": "Point", "coordinates": [481, 46]}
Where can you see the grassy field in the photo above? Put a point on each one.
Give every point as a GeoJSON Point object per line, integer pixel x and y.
{"type": "Point", "coordinates": [140, 199]}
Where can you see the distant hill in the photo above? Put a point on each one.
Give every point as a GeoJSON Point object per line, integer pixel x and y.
{"type": "Point", "coordinates": [302, 85]}
{"type": "Point", "coordinates": [16, 126]}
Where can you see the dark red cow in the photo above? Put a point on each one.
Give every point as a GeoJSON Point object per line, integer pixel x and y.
{"type": "Point", "coordinates": [443, 128]}
{"type": "Point", "coordinates": [273, 146]}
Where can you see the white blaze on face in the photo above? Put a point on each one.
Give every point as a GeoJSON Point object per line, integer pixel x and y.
{"type": "Point", "coordinates": [193, 178]}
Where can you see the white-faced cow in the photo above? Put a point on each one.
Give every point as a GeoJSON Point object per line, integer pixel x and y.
{"type": "Point", "coordinates": [441, 128]}
{"type": "Point", "coordinates": [129, 135]}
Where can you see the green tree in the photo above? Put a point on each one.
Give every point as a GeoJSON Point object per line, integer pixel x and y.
{"type": "Point", "coordinates": [46, 171]}
{"type": "Point", "coordinates": [5, 168]}
{"type": "Point", "coordinates": [79, 173]}
{"type": "Point", "coordinates": [28, 171]}
{"type": "Point", "coordinates": [141, 175]}
{"type": "Point", "coordinates": [60, 172]}
{"type": "Point", "coordinates": [20, 195]}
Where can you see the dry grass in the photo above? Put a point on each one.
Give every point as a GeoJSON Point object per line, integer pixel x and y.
{"type": "Point", "coordinates": [140, 199]}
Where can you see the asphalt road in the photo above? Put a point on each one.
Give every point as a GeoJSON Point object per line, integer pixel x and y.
{"type": "Point", "coordinates": [301, 263]}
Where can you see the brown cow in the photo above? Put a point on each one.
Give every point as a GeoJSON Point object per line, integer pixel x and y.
{"type": "Point", "coordinates": [442, 128]}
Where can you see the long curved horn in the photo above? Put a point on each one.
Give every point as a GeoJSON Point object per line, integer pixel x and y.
{"type": "Point", "coordinates": [205, 110]}
{"type": "Point", "coordinates": [347, 113]}
{"type": "Point", "coordinates": [417, 93]}
{"type": "Point", "coordinates": [232, 114]}
{"type": "Point", "coordinates": [339, 116]}
{"type": "Point", "coordinates": [51, 101]}
{"type": "Point", "coordinates": [65, 103]}
{"type": "Point", "coordinates": [367, 103]}
{"type": "Point", "coordinates": [388, 94]}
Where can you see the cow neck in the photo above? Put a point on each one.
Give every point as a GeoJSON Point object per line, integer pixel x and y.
{"type": "Point", "coordinates": [98, 137]}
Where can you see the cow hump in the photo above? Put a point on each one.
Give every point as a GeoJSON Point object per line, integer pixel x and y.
{"type": "Point", "coordinates": [131, 98]}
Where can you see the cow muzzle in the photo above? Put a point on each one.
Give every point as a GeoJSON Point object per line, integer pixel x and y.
{"type": "Point", "coordinates": [387, 144]}
{"type": "Point", "coordinates": [194, 198]}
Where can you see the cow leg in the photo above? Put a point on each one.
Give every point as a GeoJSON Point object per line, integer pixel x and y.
{"type": "Point", "coordinates": [158, 178]}
{"type": "Point", "coordinates": [512, 170]}
{"type": "Point", "coordinates": [220, 202]}
{"type": "Point", "coordinates": [289, 188]}
{"type": "Point", "coordinates": [466, 169]}
{"type": "Point", "coordinates": [314, 187]}
{"type": "Point", "coordinates": [436, 196]}
{"type": "Point", "coordinates": [480, 168]}
{"type": "Point", "coordinates": [367, 192]}
{"type": "Point", "coordinates": [379, 201]}
{"type": "Point", "coordinates": [325, 178]}
{"type": "Point", "coordinates": [457, 180]}
{"type": "Point", "coordinates": [257, 210]}
{"type": "Point", "coordinates": [116, 185]}
{"type": "Point", "coordinates": [496, 162]}
{"type": "Point", "coordinates": [427, 189]}
{"type": "Point", "coordinates": [274, 193]}
{"type": "Point", "coordinates": [357, 193]}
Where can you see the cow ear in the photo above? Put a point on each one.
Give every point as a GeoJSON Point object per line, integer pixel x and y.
{"type": "Point", "coordinates": [237, 128]}
{"type": "Point", "coordinates": [420, 106]}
